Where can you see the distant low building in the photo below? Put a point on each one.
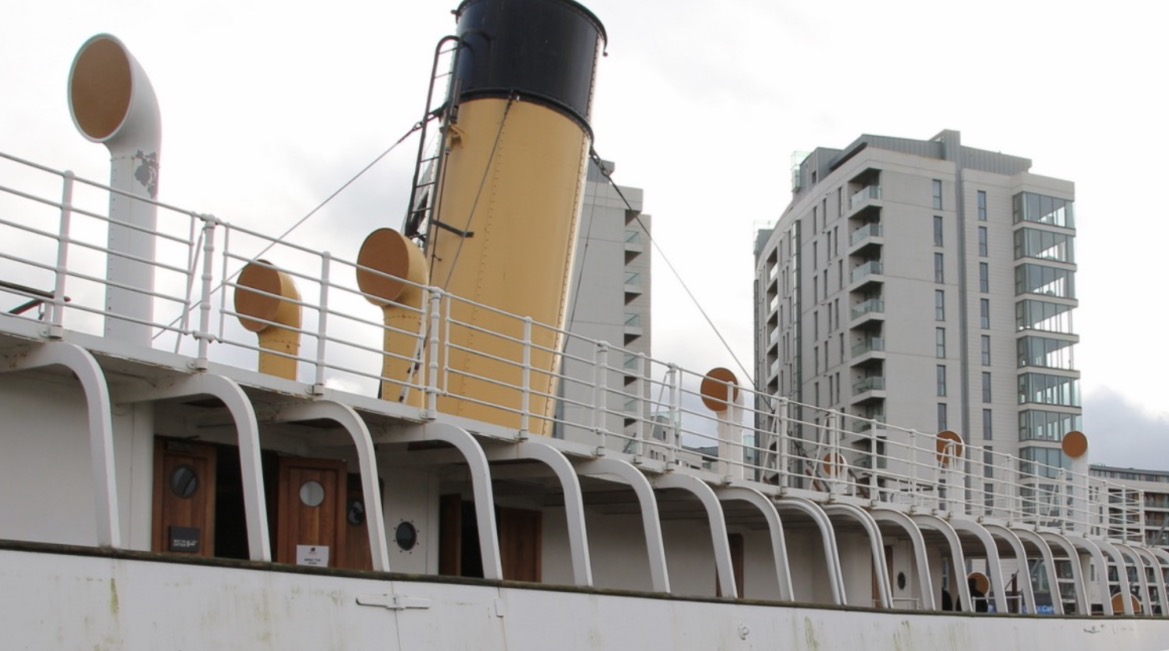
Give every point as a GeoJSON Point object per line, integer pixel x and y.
{"type": "Point", "coordinates": [1154, 484]}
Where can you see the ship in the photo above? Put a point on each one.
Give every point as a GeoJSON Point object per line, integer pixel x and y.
{"type": "Point", "coordinates": [216, 438]}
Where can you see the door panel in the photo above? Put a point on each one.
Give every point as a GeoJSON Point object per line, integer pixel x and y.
{"type": "Point", "coordinates": [311, 512]}
{"type": "Point", "coordinates": [184, 497]}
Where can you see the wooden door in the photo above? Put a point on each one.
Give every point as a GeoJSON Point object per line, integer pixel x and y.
{"type": "Point", "coordinates": [520, 540]}
{"type": "Point", "coordinates": [184, 497]}
{"type": "Point", "coordinates": [357, 552]}
{"type": "Point", "coordinates": [311, 512]}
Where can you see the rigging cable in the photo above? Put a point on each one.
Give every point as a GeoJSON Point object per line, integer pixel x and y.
{"type": "Point", "coordinates": [418, 125]}
{"type": "Point", "coordinates": [637, 216]}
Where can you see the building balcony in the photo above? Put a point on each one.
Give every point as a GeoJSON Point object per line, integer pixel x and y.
{"type": "Point", "coordinates": [867, 271]}
{"type": "Point", "coordinates": [632, 283]}
{"type": "Point", "coordinates": [866, 385]}
{"type": "Point", "coordinates": [633, 326]}
{"type": "Point", "coordinates": [866, 233]}
{"type": "Point", "coordinates": [870, 348]}
{"type": "Point", "coordinates": [873, 308]}
{"type": "Point", "coordinates": [863, 196]}
{"type": "Point", "coordinates": [633, 241]}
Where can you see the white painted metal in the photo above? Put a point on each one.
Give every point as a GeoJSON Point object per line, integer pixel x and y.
{"type": "Point", "coordinates": [134, 151]}
{"type": "Point", "coordinates": [101, 435]}
{"type": "Point", "coordinates": [1121, 573]}
{"type": "Point", "coordinates": [1097, 557]}
{"type": "Point", "coordinates": [998, 581]}
{"type": "Point", "coordinates": [957, 556]}
{"type": "Point", "coordinates": [1023, 573]}
{"type": "Point", "coordinates": [1142, 577]}
{"type": "Point", "coordinates": [1080, 587]}
{"type": "Point", "coordinates": [718, 525]}
{"type": "Point", "coordinates": [1026, 535]}
{"type": "Point", "coordinates": [650, 520]}
{"type": "Point", "coordinates": [919, 552]}
{"type": "Point", "coordinates": [876, 544]}
{"type": "Point", "coordinates": [775, 531]}
{"type": "Point", "coordinates": [827, 535]}
{"type": "Point", "coordinates": [348, 419]}
{"type": "Point", "coordinates": [1158, 579]}
{"type": "Point", "coordinates": [480, 485]}
{"type": "Point", "coordinates": [533, 448]}
{"type": "Point", "coordinates": [248, 432]}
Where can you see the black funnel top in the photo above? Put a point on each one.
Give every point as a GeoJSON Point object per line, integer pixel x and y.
{"type": "Point", "coordinates": [542, 50]}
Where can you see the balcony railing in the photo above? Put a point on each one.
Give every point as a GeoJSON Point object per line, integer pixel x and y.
{"type": "Point", "coordinates": [867, 307]}
{"type": "Point", "coordinates": [875, 383]}
{"type": "Point", "coordinates": [865, 194]}
{"type": "Point", "coordinates": [870, 268]}
{"type": "Point", "coordinates": [870, 345]}
{"type": "Point", "coordinates": [865, 232]}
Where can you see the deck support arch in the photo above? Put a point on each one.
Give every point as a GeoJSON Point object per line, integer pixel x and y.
{"type": "Point", "coordinates": [1080, 587]}
{"type": "Point", "coordinates": [775, 528]}
{"type": "Point", "coordinates": [718, 525]}
{"type": "Point", "coordinates": [919, 551]}
{"type": "Point", "coordinates": [1121, 574]}
{"type": "Point", "coordinates": [582, 569]}
{"type": "Point", "coordinates": [1028, 536]}
{"type": "Point", "coordinates": [630, 475]}
{"type": "Point", "coordinates": [1142, 577]}
{"type": "Point", "coordinates": [828, 535]}
{"type": "Point", "coordinates": [99, 414]}
{"type": "Point", "coordinates": [1102, 571]}
{"type": "Point", "coordinates": [348, 419]}
{"type": "Point", "coordinates": [993, 565]}
{"type": "Point", "coordinates": [876, 544]}
{"type": "Point", "coordinates": [957, 557]}
{"type": "Point", "coordinates": [1021, 559]}
{"type": "Point", "coordinates": [247, 431]}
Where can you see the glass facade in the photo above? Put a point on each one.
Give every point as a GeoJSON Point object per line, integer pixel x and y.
{"type": "Point", "coordinates": [1039, 425]}
{"type": "Point", "coordinates": [1031, 314]}
{"type": "Point", "coordinates": [1046, 352]}
{"type": "Point", "coordinates": [1044, 389]}
{"type": "Point", "coordinates": [1040, 279]}
{"type": "Point", "coordinates": [1041, 209]}
{"type": "Point", "coordinates": [1045, 245]}
{"type": "Point", "coordinates": [1043, 462]}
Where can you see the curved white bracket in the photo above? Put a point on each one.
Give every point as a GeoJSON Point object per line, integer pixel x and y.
{"type": "Point", "coordinates": [1162, 557]}
{"type": "Point", "coordinates": [1035, 539]}
{"type": "Point", "coordinates": [466, 444]}
{"type": "Point", "coordinates": [1158, 578]}
{"type": "Point", "coordinates": [1080, 589]}
{"type": "Point", "coordinates": [1093, 550]}
{"type": "Point", "coordinates": [582, 569]}
{"type": "Point", "coordinates": [1121, 574]}
{"type": "Point", "coordinates": [649, 512]}
{"type": "Point", "coordinates": [248, 432]}
{"type": "Point", "coordinates": [1142, 577]}
{"type": "Point", "coordinates": [997, 581]}
{"type": "Point", "coordinates": [718, 525]}
{"type": "Point", "coordinates": [778, 544]}
{"type": "Point", "coordinates": [101, 428]}
{"type": "Point", "coordinates": [876, 544]}
{"type": "Point", "coordinates": [827, 535]}
{"type": "Point", "coordinates": [957, 557]}
{"type": "Point", "coordinates": [1023, 573]}
{"type": "Point", "coordinates": [919, 551]}
{"type": "Point", "coordinates": [347, 418]}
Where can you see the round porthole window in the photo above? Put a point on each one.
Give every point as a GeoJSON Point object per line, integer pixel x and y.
{"type": "Point", "coordinates": [355, 514]}
{"type": "Point", "coordinates": [406, 536]}
{"type": "Point", "coordinates": [312, 493]}
{"type": "Point", "coordinates": [184, 482]}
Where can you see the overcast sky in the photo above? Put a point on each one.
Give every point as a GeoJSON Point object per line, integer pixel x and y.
{"type": "Point", "coordinates": [270, 106]}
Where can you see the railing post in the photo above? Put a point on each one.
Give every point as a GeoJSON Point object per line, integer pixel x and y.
{"type": "Point", "coordinates": [781, 451]}
{"type": "Point", "coordinates": [912, 456]}
{"type": "Point", "coordinates": [57, 312]}
{"type": "Point", "coordinates": [203, 337]}
{"type": "Point", "coordinates": [444, 345]}
{"type": "Point", "coordinates": [675, 416]}
{"type": "Point", "coordinates": [432, 367]}
{"type": "Point", "coordinates": [645, 425]}
{"type": "Point", "coordinates": [526, 396]}
{"type": "Point", "coordinates": [600, 357]}
{"type": "Point", "coordinates": [322, 323]}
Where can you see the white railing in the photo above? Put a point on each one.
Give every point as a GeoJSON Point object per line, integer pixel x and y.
{"type": "Point", "coordinates": [613, 398]}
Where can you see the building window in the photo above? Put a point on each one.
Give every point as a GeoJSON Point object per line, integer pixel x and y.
{"type": "Point", "coordinates": [938, 239]}
{"type": "Point", "coordinates": [939, 305]}
{"type": "Point", "coordinates": [984, 313]}
{"type": "Point", "coordinates": [939, 268]}
{"type": "Point", "coordinates": [816, 359]}
{"type": "Point", "coordinates": [1044, 210]}
{"type": "Point", "coordinates": [1041, 279]}
{"type": "Point", "coordinates": [982, 241]}
{"type": "Point", "coordinates": [1046, 389]}
{"type": "Point", "coordinates": [984, 277]}
{"type": "Point", "coordinates": [986, 386]}
{"type": "Point", "coordinates": [840, 274]}
{"type": "Point", "coordinates": [1045, 245]}
{"type": "Point", "coordinates": [937, 194]}
{"type": "Point", "coordinates": [981, 205]}
{"type": "Point", "coordinates": [815, 325]}
{"type": "Point", "coordinates": [1041, 315]}
{"type": "Point", "coordinates": [988, 462]}
{"type": "Point", "coordinates": [986, 350]}
{"type": "Point", "coordinates": [940, 343]}
{"type": "Point", "coordinates": [815, 245]}
{"type": "Point", "coordinates": [941, 380]}
{"type": "Point", "coordinates": [815, 288]}
{"type": "Point", "coordinates": [1036, 425]}
{"type": "Point", "coordinates": [942, 417]}
{"type": "Point", "coordinates": [987, 425]}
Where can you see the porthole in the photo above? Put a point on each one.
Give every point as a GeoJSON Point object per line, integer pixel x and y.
{"type": "Point", "coordinates": [184, 482]}
{"type": "Point", "coordinates": [406, 535]}
{"type": "Point", "coordinates": [355, 513]}
{"type": "Point", "coordinates": [312, 494]}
